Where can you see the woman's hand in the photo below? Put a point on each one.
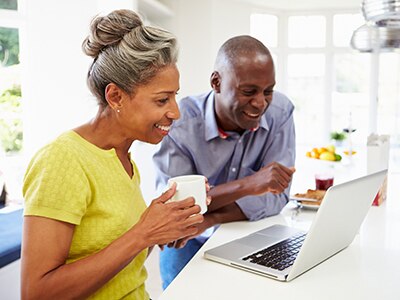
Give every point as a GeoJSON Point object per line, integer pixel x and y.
{"type": "Point", "coordinates": [201, 227]}
{"type": "Point", "coordinates": [164, 222]}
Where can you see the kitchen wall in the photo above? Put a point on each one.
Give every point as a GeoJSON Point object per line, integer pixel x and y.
{"type": "Point", "coordinates": [55, 96]}
{"type": "Point", "coordinates": [54, 79]}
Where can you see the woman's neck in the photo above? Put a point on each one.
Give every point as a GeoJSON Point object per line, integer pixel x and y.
{"type": "Point", "coordinates": [104, 132]}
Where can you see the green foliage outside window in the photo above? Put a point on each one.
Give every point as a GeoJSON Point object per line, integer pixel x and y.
{"type": "Point", "coordinates": [10, 121]}
{"type": "Point", "coordinates": [9, 4]}
{"type": "Point", "coordinates": [9, 46]}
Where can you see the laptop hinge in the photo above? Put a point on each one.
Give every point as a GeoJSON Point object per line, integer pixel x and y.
{"type": "Point", "coordinates": [255, 271]}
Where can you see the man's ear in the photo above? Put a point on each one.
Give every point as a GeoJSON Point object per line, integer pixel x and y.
{"type": "Point", "coordinates": [215, 82]}
{"type": "Point", "coordinates": [114, 96]}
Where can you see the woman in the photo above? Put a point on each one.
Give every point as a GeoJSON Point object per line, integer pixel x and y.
{"type": "Point", "coordinates": [86, 227]}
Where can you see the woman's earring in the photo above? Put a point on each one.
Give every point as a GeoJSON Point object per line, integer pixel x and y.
{"type": "Point", "coordinates": [118, 110]}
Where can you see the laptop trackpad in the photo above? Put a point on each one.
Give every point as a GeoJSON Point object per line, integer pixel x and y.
{"type": "Point", "coordinates": [268, 236]}
{"type": "Point", "coordinates": [279, 231]}
{"type": "Point", "coordinates": [256, 240]}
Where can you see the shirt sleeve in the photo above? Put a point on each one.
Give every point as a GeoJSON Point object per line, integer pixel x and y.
{"type": "Point", "coordinates": [55, 186]}
{"type": "Point", "coordinates": [282, 150]}
{"type": "Point", "coordinates": [170, 161]}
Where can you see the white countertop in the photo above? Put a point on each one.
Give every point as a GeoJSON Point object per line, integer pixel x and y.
{"type": "Point", "coordinates": [368, 269]}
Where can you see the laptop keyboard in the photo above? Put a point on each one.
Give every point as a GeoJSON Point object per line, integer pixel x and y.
{"type": "Point", "coordinates": [279, 256]}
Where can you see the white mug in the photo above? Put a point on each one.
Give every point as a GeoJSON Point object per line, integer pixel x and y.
{"type": "Point", "coordinates": [190, 186]}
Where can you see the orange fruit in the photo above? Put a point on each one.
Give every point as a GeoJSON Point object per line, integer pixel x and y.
{"type": "Point", "coordinates": [315, 153]}
{"type": "Point", "coordinates": [322, 150]}
{"type": "Point", "coordinates": [308, 153]}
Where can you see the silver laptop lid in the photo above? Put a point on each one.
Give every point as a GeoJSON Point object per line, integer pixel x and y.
{"type": "Point", "coordinates": [338, 220]}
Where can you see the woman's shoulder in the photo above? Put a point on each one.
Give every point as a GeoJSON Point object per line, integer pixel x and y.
{"type": "Point", "coordinates": [60, 149]}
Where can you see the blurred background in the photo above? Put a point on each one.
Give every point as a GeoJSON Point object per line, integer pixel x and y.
{"type": "Point", "coordinates": [334, 86]}
{"type": "Point", "coordinates": [341, 71]}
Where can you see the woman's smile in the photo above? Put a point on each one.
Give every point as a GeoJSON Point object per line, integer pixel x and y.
{"type": "Point", "coordinates": [163, 129]}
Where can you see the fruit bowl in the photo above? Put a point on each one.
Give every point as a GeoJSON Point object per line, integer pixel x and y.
{"type": "Point", "coordinates": [327, 153]}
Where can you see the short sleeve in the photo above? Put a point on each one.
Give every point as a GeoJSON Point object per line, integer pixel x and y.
{"type": "Point", "coordinates": [56, 186]}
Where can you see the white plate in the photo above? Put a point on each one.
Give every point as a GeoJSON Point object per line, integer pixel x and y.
{"type": "Point", "coordinates": [303, 199]}
{"type": "Point", "coordinates": [308, 206]}
{"type": "Point", "coordinates": [297, 201]}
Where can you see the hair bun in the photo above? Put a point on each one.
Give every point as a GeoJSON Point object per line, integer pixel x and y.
{"type": "Point", "coordinates": [109, 30]}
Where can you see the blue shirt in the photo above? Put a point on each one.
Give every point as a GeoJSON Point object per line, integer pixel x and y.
{"type": "Point", "coordinates": [195, 146]}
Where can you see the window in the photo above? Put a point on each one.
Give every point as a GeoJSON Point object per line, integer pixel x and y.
{"type": "Point", "coordinates": [264, 27]}
{"type": "Point", "coordinates": [11, 131]}
{"type": "Point", "coordinates": [350, 94]}
{"type": "Point", "coordinates": [306, 31]}
{"type": "Point", "coordinates": [9, 4]}
{"type": "Point", "coordinates": [343, 27]}
{"type": "Point", "coordinates": [10, 85]}
{"type": "Point", "coordinates": [389, 96]}
{"type": "Point", "coordinates": [306, 89]}
{"type": "Point", "coordinates": [306, 69]}
{"type": "Point", "coordinates": [322, 75]}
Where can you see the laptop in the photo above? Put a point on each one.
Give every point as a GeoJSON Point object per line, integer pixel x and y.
{"type": "Point", "coordinates": [283, 253]}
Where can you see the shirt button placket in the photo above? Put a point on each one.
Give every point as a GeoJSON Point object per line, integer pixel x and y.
{"type": "Point", "coordinates": [236, 159]}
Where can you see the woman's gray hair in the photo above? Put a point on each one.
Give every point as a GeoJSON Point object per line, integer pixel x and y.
{"type": "Point", "coordinates": [126, 52]}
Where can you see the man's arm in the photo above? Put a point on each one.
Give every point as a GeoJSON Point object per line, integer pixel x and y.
{"type": "Point", "coordinates": [274, 178]}
{"type": "Point", "coordinates": [226, 214]}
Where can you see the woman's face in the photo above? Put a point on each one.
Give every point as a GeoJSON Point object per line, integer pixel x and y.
{"type": "Point", "coordinates": [148, 114]}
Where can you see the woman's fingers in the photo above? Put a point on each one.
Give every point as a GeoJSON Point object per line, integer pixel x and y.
{"type": "Point", "coordinates": [183, 204]}
{"type": "Point", "coordinates": [168, 193]}
{"type": "Point", "coordinates": [193, 220]}
{"type": "Point", "coordinates": [173, 220]}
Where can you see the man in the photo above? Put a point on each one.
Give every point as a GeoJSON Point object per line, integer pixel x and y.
{"type": "Point", "coordinates": [240, 136]}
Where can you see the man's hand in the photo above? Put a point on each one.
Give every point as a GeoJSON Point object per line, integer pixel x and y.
{"type": "Point", "coordinates": [273, 178]}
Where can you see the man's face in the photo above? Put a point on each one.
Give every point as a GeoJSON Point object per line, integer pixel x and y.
{"type": "Point", "coordinates": [244, 92]}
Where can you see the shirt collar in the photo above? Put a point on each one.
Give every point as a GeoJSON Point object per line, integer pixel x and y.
{"type": "Point", "coordinates": [222, 134]}
{"type": "Point", "coordinates": [212, 130]}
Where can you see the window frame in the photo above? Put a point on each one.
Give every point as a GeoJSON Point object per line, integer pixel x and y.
{"type": "Point", "coordinates": [282, 52]}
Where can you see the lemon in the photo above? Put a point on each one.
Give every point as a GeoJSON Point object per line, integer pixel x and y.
{"type": "Point", "coordinates": [331, 148]}
{"type": "Point", "coordinates": [327, 156]}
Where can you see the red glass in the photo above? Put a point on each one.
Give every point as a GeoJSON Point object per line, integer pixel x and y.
{"type": "Point", "coordinates": [323, 183]}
